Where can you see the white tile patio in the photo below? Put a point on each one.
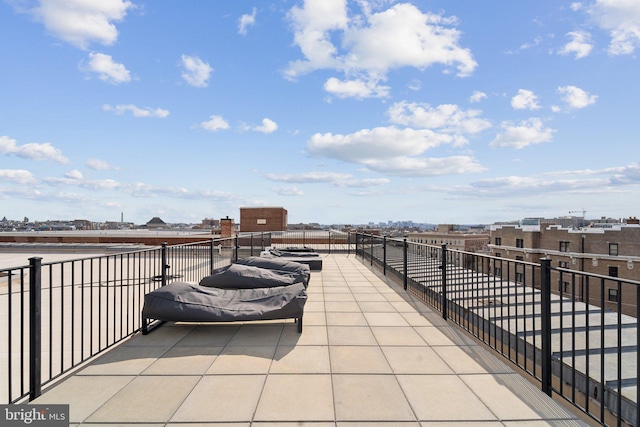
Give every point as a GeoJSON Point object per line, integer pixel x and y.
{"type": "Point", "coordinates": [369, 355]}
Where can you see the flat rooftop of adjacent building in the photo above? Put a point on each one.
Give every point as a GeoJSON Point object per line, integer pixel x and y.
{"type": "Point", "coordinates": [369, 354]}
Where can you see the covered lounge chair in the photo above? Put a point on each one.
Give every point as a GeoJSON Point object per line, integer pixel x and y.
{"type": "Point", "coordinates": [232, 293]}
{"type": "Point", "coordinates": [312, 259]}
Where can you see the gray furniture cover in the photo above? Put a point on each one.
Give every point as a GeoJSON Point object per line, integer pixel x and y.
{"type": "Point", "coordinates": [185, 302]}
{"type": "Point", "coordinates": [241, 276]}
{"type": "Point", "coordinates": [312, 259]}
{"type": "Point", "coordinates": [279, 265]}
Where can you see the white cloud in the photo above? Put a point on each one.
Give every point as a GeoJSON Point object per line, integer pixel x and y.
{"type": "Point", "coordinates": [621, 18]}
{"type": "Point", "coordinates": [528, 132]}
{"type": "Point", "coordinates": [393, 151]}
{"type": "Point", "coordinates": [448, 118]}
{"type": "Point", "coordinates": [414, 85]}
{"type": "Point", "coordinates": [19, 176]}
{"type": "Point", "coordinates": [196, 71]}
{"type": "Point", "coordinates": [363, 183]}
{"type": "Point", "coordinates": [215, 123]}
{"type": "Point", "coordinates": [373, 43]}
{"type": "Point", "coordinates": [31, 151]}
{"type": "Point", "coordinates": [246, 21]}
{"type": "Point", "coordinates": [525, 99]}
{"type": "Point", "coordinates": [335, 178]}
{"type": "Point", "coordinates": [312, 25]}
{"type": "Point", "coordinates": [99, 165]}
{"type": "Point", "coordinates": [136, 111]}
{"type": "Point", "coordinates": [74, 174]}
{"type": "Point", "coordinates": [411, 166]}
{"type": "Point", "coordinates": [309, 177]}
{"type": "Point", "coordinates": [81, 22]}
{"type": "Point", "coordinates": [563, 182]}
{"type": "Point", "coordinates": [404, 36]}
{"type": "Point", "coordinates": [107, 70]}
{"type": "Point", "coordinates": [289, 191]}
{"type": "Point", "coordinates": [268, 126]}
{"type": "Point", "coordinates": [580, 44]}
{"type": "Point", "coordinates": [357, 88]}
{"type": "Point", "coordinates": [536, 41]}
{"type": "Point", "coordinates": [477, 96]}
{"type": "Point", "coordinates": [575, 97]}
{"type": "Point", "coordinates": [378, 143]}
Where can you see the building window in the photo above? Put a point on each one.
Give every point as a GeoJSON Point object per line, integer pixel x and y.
{"type": "Point", "coordinates": [564, 246]}
{"type": "Point", "coordinates": [613, 295]}
{"type": "Point", "coordinates": [613, 271]}
{"type": "Point", "coordinates": [563, 264]}
{"type": "Point", "coordinates": [613, 249]}
{"type": "Point", "coordinates": [519, 243]}
{"type": "Point", "coordinates": [566, 287]}
{"type": "Point", "coordinates": [498, 241]}
{"type": "Point", "coordinates": [519, 277]}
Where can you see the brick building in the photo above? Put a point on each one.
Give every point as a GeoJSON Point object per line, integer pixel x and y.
{"type": "Point", "coordinates": [445, 234]}
{"type": "Point", "coordinates": [605, 249]}
{"type": "Point", "coordinates": [263, 219]}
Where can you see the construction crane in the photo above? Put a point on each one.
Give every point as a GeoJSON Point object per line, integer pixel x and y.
{"type": "Point", "coordinates": [582, 211]}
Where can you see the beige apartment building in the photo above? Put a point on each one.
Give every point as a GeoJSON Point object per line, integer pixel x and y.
{"type": "Point", "coordinates": [445, 234]}
{"type": "Point", "coordinates": [605, 249]}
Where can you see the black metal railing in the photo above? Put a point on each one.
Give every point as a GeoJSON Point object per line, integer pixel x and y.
{"type": "Point", "coordinates": [575, 332]}
{"type": "Point", "coordinates": [327, 241]}
{"type": "Point", "coordinates": [56, 316]}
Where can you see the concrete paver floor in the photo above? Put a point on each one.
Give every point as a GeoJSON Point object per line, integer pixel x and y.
{"type": "Point", "coordinates": [369, 354]}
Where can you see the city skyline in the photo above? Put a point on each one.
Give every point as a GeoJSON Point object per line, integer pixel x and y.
{"type": "Point", "coordinates": [340, 111]}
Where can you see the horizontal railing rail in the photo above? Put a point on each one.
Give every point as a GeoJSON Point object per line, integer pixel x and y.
{"type": "Point", "coordinates": [575, 332]}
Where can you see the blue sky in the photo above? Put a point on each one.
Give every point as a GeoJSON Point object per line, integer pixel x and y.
{"type": "Point", "coordinates": [340, 111]}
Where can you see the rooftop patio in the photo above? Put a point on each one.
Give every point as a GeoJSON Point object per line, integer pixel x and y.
{"type": "Point", "coordinates": [369, 354]}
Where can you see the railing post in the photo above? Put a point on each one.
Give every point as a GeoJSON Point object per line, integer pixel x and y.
{"type": "Point", "coordinates": [35, 327]}
{"type": "Point", "coordinates": [356, 245]}
{"type": "Point", "coordinates": [545, 323]}
{"type": "Point", "coordinates": [329, 241]}
{"type": "Point", "coordinates": [262, 240]}
{"type": "Point", "coordinates": [211, 255]}
{"type": "Point", "coordinates": [165, 266]}
{"type": "Point", "coordinates": [443, 267]}
{"type": "Point", "coordinates": [371, 248]}
{"type": "Point", "coordinates": [237, 247]}
{"type": "Point", "coordinates": [405, 250]}
{"type": "Point", "coordinates": [251, 245]}
{"type": "Point", "coordinates": [384, 255]}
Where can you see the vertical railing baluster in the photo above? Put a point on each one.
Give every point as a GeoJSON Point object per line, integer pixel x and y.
{"type": "Point", "coordinates": [384, 255]}
{"type": "Point", "coordinates": [35, 327]}
{"type": "Point", "coordinates": [211, 256]}
{"type": "Point", "coordinates": [443, 281]}
{"type": "Point", "coordinates": [637, 354]}
{"type": "Point", "coordinates": [545, 321]}
{"type": "Point", "coordinates": [405, 251]}
{"type": "Point", "coordinates": [163, 265]}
